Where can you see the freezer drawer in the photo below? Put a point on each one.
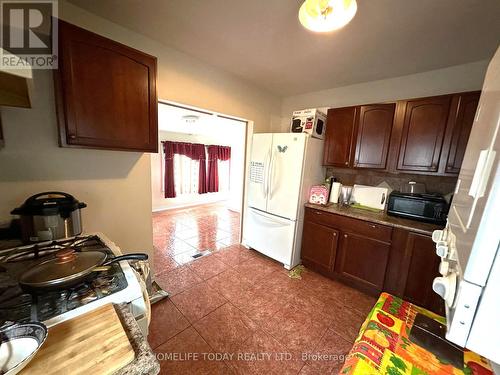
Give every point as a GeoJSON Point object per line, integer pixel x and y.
{"type": "Point", "coordinates": [270, 235]}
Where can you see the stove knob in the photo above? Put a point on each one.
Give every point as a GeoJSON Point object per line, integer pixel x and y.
{"type": "Point", "coordinates": [445, 287]}
{"type": "Point", "coordinates": [440, 286]}
{"type": "Point", "coordinates": [444, 268]}
{"type": "Point", "coordinates": [437, 235]}
{"type": "Point", "coordinates": [442, 249]}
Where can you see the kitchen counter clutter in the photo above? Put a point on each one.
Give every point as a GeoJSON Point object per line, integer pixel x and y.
{"type": "Point", "coordinates": [373, 252]}
{"type": "Point", "coordinates": [377, 217]}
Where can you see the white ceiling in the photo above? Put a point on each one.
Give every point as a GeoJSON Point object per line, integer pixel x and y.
{"type": "Point", "coordinates": [263, 42]}
{"type": "Point", "coordinates": [173, 119]}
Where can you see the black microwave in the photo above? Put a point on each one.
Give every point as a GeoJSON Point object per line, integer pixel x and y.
{"type": "Point", "coordinates": [430, 208]}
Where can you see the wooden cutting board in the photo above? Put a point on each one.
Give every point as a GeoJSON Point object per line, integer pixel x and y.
{"type": "Point", "coordinates": [93, 343]}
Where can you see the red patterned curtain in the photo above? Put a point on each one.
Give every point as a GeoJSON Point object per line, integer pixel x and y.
{"type": "Point", "coordinates": [213, 170]}
{"type": "Point", "coordinates": [198, 153]}
{"type": "Point", "coordinates": [215, 153]}
{"type": "Point", "coordinates": [168, 150]}
{"type": "Point", "coordinates": [194, 151]}
{"type": "Point", "coordinates": [224, 153]}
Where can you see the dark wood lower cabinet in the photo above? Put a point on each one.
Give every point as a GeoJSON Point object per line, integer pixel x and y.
{"type": "Point", "coordinates": [319, 246]}
{"type": "Point", "coordinates": [414, 258]}
{"type": "Point", "coordinates": [394, 260]}
{"type": "Point", "coordinates": [363, 262]}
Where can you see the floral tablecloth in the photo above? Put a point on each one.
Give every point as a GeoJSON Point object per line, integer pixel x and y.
{"type": "Point", "coordinates": [383, 345]}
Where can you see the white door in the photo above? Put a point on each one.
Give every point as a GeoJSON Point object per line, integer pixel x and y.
{"type": "Point", "coordinates": [258, 182]}
{"type": "Point", "coordinates": [270, 235]}
{"type": "Point", "coordinates": [285, 174]}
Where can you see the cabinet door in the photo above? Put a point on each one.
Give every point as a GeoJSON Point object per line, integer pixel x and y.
{"type": "Point", "coordinates": [339, 135]}
{"type": "Point", "coordinates": [319, 246]}
{"type": "Point", "coordinates": [374, 134]}
{"type": "Point", "coordinates": [362, 262]}
{"type": "Point", "coordinates": [423, 267]}
{"type": "Point", "coordinates": [105, 93]}
{"type": "Point", "coordinates": [424, 124]}
{"type": "Point", "coordinates": [460, 130]}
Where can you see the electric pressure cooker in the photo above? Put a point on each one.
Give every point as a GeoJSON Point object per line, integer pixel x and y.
{"type": "Point", "coordinates": [50, 216]}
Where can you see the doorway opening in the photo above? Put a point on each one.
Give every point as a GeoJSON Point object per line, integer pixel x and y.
{"type": "Point", "coordinates": [197, 185]}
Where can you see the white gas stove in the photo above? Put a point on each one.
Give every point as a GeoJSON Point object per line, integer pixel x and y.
{"type": "Point", "coordinates": [119, 284]}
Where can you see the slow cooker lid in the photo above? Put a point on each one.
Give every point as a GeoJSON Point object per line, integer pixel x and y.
{"type": "Point", "coordinates": [49, 203]}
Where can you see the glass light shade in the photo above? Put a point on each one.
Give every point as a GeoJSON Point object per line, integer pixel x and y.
{"type": "Point", "coordinates": [326, 15]}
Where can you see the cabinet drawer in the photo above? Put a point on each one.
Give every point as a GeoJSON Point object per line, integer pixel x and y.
{"type": "Point", "coordinates": [346, 224]}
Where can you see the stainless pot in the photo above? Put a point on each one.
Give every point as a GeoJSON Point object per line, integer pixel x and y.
{"type": "Point", "coordinates": [50, 216]}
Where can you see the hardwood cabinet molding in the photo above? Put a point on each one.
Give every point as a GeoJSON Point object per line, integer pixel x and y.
{"type": "Point", "coordinates": [362, 261]}
{"type": "Point", "coordinates": [372, 257]}
{"type": "Point", "coordinates": [413, 265]}
{"type": "Point", "coordinates": [461, 119]}
{"type": "Point", "coordinates": [106, 95]}
{"type": "Point", "coordinates": [339, 146]}
{"type": "Point", "coordinates": [373, 135]}
{"type": "Point", "coordinates": [319, 245]}
{"type": "Point", "coordinates": [427, 135]}
{"type": "Point", "coordinates": [423, 129]}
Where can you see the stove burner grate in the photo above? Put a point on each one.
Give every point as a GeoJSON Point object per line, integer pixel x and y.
{"type": "Point", "coordinates": [18, 305]}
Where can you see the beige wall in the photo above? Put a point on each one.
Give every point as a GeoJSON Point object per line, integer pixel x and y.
{"type": "Point", "coordinates": [458, 78]}
{"type": "Point", "coordinates": [115, 185]}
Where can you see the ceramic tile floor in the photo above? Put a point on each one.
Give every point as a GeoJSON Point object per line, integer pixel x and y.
{"type": "Point", "coordinates": [235, 311]}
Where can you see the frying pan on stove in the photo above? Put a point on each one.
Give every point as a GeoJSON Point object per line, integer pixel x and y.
{"type": "Point", "coordinates": [68, 268]}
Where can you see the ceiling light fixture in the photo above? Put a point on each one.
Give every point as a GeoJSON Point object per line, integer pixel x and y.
{"type": "Point", "coordinates": [190, 119]}
{"type": "Point", "coordinates": [327, 15]}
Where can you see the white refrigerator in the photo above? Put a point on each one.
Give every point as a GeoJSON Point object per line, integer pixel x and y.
{"type": "Point", "coordinates": [469, 245]}
{"type": "Point", "coordinates": [283, 167]}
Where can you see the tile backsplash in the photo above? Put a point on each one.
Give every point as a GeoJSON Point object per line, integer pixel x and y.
{"type": "Point", "coordinates": [433, 184]}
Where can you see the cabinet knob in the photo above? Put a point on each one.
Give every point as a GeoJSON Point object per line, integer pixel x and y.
{"type": "Point", "coordinates": [345, 235]}
{"type": "Point", "coordinates": [334, 234]}
{"type": "Point", "coordinates": [346, 163]}
{"type": "Point", "coordinates": [71, 136]}
{"type": "Point", "coordinates": [373, 226]}
{"type": "Point", "coordinates": [317, 212]}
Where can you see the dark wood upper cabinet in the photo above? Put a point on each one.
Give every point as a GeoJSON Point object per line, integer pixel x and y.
{"type": "Point", "coordinates": [461, 121]}
{"type": "Point", "coordinates": [105, 93]}
{"type": "Point", "coordinates": [340, 130]}
{"type": "Point", "coordinates": [373, 135]}
{"type": "Point", "coordinates": [423, 128]}
{"type": "Point", "coordinates": [319, 246]}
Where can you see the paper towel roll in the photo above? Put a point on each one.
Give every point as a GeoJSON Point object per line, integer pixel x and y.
{"type": "Point", "coordinates": [335, 192]}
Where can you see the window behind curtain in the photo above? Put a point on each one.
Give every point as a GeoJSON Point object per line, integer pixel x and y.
{"type": "Point", "coordinates": [224, 173]}
{"type": "Point", "coordinates": [186, 172]}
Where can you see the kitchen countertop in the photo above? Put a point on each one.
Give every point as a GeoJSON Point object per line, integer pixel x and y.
{"type": "Point", "coordinates": [377, 217]}
{"type": "Point", "coordinates": [145, 361]}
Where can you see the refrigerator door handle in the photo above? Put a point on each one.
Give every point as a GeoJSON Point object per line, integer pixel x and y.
{"type": "Point", "coordinates": [271, 174]}
{"type": "Point", "coordinates": [269, 181]}
{"type": "Point", "coordinates": [266, 173]}
{"type": "Point", "coordinates": [276, 222]}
